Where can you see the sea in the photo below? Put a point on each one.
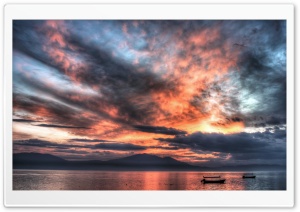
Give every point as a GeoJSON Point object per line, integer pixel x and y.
{"type": "Point", "coordinates": [143, 180]}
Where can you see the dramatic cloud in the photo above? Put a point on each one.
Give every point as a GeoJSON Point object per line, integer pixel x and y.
{"type": "Point", "coordinates": [194, 90]}
{"type": "Point", "coordinates": [24, 120]}
{"type": "Point", "coordinates": [86, 140]}
{"type": "Point", "coordinates": [60, 126]}
{"type": "Point", "coordinates": [268, 146]}
{"type": "Point", "coordinates": [44, 143]}
{"type": "Point", "coordinates": [234, 143]}
{"type": "Point", "coordinates": [159, 130]}
{"type": "Point", "coordinates": [109, 145]}
{"type": "Point", "coordinates": [118, 146]}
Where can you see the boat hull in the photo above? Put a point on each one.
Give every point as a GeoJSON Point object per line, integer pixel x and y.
{"type": "Point", "coordinates": [213, 181]}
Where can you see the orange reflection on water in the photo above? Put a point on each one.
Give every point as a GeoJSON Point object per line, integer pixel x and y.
{"type": "Point", "coordinates": [142, 180]}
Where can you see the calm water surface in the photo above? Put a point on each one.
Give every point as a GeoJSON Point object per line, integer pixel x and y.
{"type": "Point", "coordinates": [142, 180]}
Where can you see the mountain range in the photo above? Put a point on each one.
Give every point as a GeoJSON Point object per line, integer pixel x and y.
{"type": "Point", "coordinates": [134, 162]}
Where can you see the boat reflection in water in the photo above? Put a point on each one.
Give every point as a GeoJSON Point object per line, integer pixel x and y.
{"type": "Point", "coordinates": [218, 176]}
{"type": "Point", "coordinates": [249, 175]}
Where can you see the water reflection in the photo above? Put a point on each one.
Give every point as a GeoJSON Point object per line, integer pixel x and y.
{"type": "Point", "coordinates": [148, 180]}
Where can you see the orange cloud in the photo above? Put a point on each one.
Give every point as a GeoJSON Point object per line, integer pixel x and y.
{"type": "Point", "coordinates": [57, 49]}
{"type": "Point", "coordinates": [190, 79]}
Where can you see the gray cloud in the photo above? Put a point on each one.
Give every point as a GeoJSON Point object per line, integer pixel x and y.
{"type": "Point", "coordinates": [24, 120]}
{"type": "Point", "coordinates": [87, 140]}
{"type": "Point", "coordinates": [45, 144]}
{"type": "Point", "coordinates": [118, 146]}
{"type": "Point", "coordinates": [267, 146]}
{"type": "Point", "coordinates": [163, 147]}
{"type": "Point", "coordinates": [159, 130]}
{"type": "Point", "coordinates": [60, 126]}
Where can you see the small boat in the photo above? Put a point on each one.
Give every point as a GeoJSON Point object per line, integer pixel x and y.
{"type": "Point", "coordinates": [245, 176]}
{"type": "Point", "coordinates": [250, 175]}
{"type": "Point", "coordinates": [212, 176]}
{"type": "Point", "coordinates": [213, 181]}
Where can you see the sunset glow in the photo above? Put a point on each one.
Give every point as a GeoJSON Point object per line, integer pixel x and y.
{"type": "Point", "coordinates": [191, 90]}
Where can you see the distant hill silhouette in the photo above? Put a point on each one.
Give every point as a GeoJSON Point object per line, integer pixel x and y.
{"type": "Point", "coordinates": [134, 162]}
{"type": "Point", "coordinates": [36, 158]}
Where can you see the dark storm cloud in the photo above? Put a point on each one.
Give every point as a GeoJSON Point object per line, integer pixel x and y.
{"type": "Point", "coordinates": [235, 119]}
{"type": "Point", "coordinates": [96, 155]}
{"type": "Point", "coordinates": [60, 126]}
{"type": "Point", "coordinates": [24, 120]}
{"type": "Point", "coordinates": [262, 72]}
{"type": "Point", "coordinates": [261, 78]}
{"type": "Point", "coordinates": [45, 144]}
{"type": "Point", "coordinates": [72, 151]}
{"type": "Point", "coordinates": [52, 111]}
{"type": "Point", "coordinates": [242, 146]}
{"type": "Point", "coordinates": [159, 130]}
{"type": "Point", "coordinates": [215, 142]}
{"type": "Point", "coordinates": [93, 104]}
{"type": "Point", "coordinates": [117, 146]}
{"type": "Point", "coordinates": [112, 144]}
{"type": "Point", "coordinates": [34, 142]}
{"type": "Point", "coordinates": [163, 147]}
{"type": "Point", "coordinates": [276, 120]}
{"type": "Point", "coordinates": [87, 140]}
{"type": "Point", "coordinates": [102, 69]}
{"type": "Point", "coordinates": [232, 143]}
{"type": "Point", "coordinates": [122, 84]}
{"type": "Point", "coordinates": [27, 40]}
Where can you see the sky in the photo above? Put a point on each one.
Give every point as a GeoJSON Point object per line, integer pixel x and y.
{"type": "Point", "coordinates": [205, 92]}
